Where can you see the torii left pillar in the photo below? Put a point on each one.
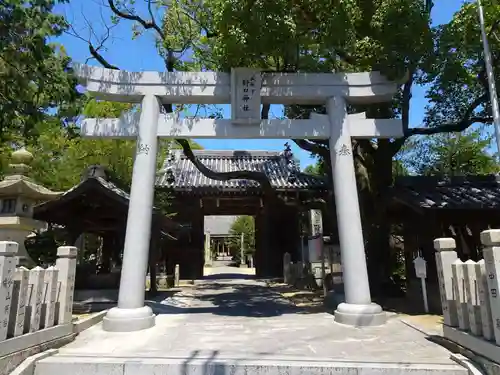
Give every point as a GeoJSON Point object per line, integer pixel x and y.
{"type": "Point", "coordinates": [131, 314]}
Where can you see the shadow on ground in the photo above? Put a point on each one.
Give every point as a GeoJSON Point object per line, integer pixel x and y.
{"type": "Point", "coordinates": [220, 298]}
{"type": "Point", "coordinates": [229, 276]}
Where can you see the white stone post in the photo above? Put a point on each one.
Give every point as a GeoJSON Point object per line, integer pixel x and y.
{"type": "Point", "coordinates": [131, 314]}
{"type": "Point", "coordinates": [8, 252]}
{"type": "Point", "coordinates": [484, 300]}
{"type": "Point", "coordinates": [445, 256]}
{"type": "Point", "coordinates": [358, 309]}
{"type": "Point", "coordinates": [457, 269]}
{"type": "Point", "coordinates": [491, 254]}
{"type": "Point", "coordinates": [19, 297]}
{"type": "Point", "coordinates": [37, 282]}
{"type": "Point", "coordinates": [242, 250]}
{"type": "Point", "coordinates": [208, 249]}
{"type": "Point", "coordinates": [66, 266]}
{"type": "Point", "coordinates": [51, 281]}
{"type": "Point", "coordinates": [176, 275]}
{"type": "Point", "coordinates": [287, 265]}
{"type": "Point", "coordinates": [472, 297]}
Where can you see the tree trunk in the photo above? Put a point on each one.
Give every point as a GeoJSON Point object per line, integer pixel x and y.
{"type": "Point", "coordinates": [376, 222]}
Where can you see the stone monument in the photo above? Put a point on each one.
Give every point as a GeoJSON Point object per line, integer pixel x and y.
{"type": "Point", "coordinates": [18, 195]}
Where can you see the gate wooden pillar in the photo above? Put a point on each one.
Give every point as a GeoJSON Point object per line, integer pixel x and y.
{"type": "Point", "coordinates": [276, 232]}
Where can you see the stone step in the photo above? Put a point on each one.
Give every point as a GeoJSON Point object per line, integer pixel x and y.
{"type": "Point", "coordinates": [98, 365]}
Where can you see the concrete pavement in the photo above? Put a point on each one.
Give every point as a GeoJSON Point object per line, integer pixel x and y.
{"type": "Point", "coordinates": [231, 323]}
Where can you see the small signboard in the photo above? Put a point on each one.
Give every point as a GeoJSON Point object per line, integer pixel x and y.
{"type": "Point", "coordinates": [420, 267]}
{"type": "Point", "coordinates": [421, 272]}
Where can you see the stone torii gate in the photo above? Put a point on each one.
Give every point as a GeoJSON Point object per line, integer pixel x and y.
{"type": "Point", "coordinates": [245, 89]}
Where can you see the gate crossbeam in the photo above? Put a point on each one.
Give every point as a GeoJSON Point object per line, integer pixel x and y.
{"type": "Point", "coordinates": [215, 88]}
{"type": "Point", "coordinates": [171, 126]}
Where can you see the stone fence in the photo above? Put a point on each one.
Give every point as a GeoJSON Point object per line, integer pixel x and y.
{"type": "Point", "coordinates": [34, 301]}
{"type": "Point", "coordinates": [470, 295]}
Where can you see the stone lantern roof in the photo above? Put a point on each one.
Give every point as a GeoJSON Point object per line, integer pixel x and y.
{"type": "Point", "coordinates": [16, 183]}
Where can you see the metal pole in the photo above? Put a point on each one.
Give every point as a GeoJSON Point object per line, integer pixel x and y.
{"type": "Point", "coordinates": [424, 294]}
{"type": "Point", "coordinates": [490, 74]}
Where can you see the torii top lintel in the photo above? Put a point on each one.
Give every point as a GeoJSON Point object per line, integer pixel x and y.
{"type": "Point", "coordinates": [216, 88]}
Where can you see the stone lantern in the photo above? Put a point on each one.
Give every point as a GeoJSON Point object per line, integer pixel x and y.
{"type": "Point", "coordinates": [18, 195]}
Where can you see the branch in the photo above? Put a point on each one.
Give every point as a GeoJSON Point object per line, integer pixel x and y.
{"type": "Point", "coordinates": [96, 55]}
{"type": "Point", "coordinates": [151, 24]}
{"type": "Point", "coordinates": [315, 148]}
{"type": "Point", "coordinates": [493, 28]}
{"type": "Point", "coordinates": [94, 50]}
{"type": "Point", "coordinates": [467, 120]}
{"type": "Point", "coordinates": [260, 177]}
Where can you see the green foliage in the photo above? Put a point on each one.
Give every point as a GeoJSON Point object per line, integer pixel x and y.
{"type": "Point", "coordinates": [61, 157]}
{"type": "Point", "coordinates": [242, 225]}
{"type": "Point", "coordinates": [311, 35]}
{"type": "Point", "coordinates": [34, 74]}
{"type": "Point", "coordinates": [455, 75]}
{"type": "Point", "coordinates": [313, 169]}
{"type": "Point", "coordinates": [451, 154]}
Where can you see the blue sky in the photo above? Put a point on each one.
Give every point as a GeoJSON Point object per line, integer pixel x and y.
{"type": "Point", "coordinates": [140, 55]}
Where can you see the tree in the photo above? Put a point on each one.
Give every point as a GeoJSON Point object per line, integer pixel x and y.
{"type": "Point", "coordinates": [243, 225]}
{"type": "Point", "coordinates": [451, 154]}
{"type": "Point", "coordinates": [61, 156]}
{"type": "Point", "coordinates": [313, 169]}
{"type": "Point", "coordinates": [393, 36]}
{"type": "Point", "coordinates": [34, 74]}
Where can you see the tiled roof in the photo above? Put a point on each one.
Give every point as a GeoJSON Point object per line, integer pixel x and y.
{"type": "Point", "coordinates": [470, 193]}
{"type": "Point", "coordinates": [76, 190]}
{"type": "Point", "coordinates": [180, 174]}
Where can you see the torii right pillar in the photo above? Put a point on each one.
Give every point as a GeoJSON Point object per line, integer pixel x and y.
{"type": "Point", "coordinates": [358, 309]}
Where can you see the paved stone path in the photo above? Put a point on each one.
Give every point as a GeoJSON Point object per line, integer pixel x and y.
{"type": "Point", "coordinates": [230, 315]}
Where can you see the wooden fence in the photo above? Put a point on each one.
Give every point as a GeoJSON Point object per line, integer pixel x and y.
{"type": "Point", "coordinates": [36, 299]}
{"type": "Point", "coordinates": [470, 295]}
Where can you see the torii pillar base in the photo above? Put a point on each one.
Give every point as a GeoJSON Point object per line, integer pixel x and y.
{"type": "Point", "coordinates": [360, 315]}
{"type": "Point", "coordinates": [128, 320]}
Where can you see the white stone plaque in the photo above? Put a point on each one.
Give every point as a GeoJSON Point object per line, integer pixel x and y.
{"type": "Point", "coordinates": [8, 251]}
{"type": "Point", "coordinates": [457, 269]}
{"type": "Point", "coordinates": [51, 277]}
{"type": "Point", "coordinates": [491, 255]}
{"type": "Point", "coordinates": [484, 301]}
{"type": "Point", "coordinates": [245, 95]}
{"type": "Point", "coordinates": [444, 260]}
{"type": "Point", "coordinates": [37, 284]}
{"type": "Point", "coordinates": [472, 295]}
{"type": "Point", "coordinates": [20, 295]}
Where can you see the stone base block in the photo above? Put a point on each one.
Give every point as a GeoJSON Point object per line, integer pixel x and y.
{"type": "Point", "coordinates": [98, 365]}
{"type": "Point", "coordinates": [360, 315]}
{"type": "Point", "coordinates": [128, 320]}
